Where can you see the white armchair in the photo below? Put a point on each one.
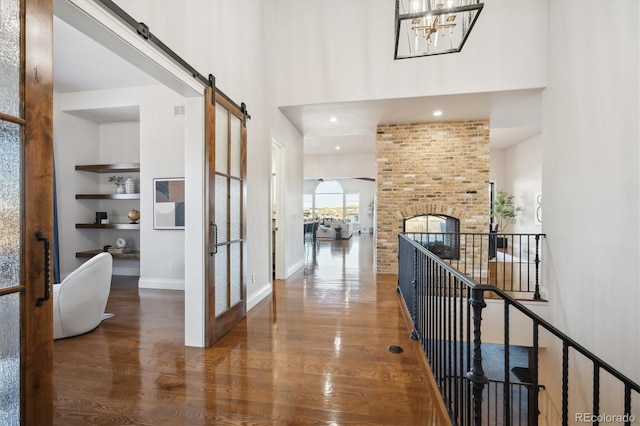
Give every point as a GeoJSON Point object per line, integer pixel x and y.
{"type": "Point", "coordinates": [80, 299]}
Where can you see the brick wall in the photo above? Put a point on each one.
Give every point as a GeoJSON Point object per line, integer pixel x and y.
{"type": "Point", "coordinates": [439, 168]}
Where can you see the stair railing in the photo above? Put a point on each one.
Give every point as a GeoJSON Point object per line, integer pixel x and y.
{"type": "Point", "coordinates": [445, 306]}
{"type": "Point", "coordinates": [510, 262]}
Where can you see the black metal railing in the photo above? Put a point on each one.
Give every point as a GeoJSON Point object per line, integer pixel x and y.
{"type": "Point", "coordinates": [446, 309]}
{"type": "Point", "coordinates": [510, 262]}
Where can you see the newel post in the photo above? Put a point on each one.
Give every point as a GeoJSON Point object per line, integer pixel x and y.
{"type": "Point", "coordinates": [476, 376]}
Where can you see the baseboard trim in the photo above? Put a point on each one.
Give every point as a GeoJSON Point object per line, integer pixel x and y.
{"type": "Point", "coordinates": [294, 268]}
{"type": "Point", "coordinates": [259, 296]}
{"type": "Point", "coordinates": [161, 283]}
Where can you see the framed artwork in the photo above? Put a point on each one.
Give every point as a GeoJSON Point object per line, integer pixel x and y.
{"type": "Point", "coordinates": [168, 203]}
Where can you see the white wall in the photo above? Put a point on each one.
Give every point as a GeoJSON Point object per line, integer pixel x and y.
{"type": "Point", "coordinates": [497, 169]}
{"type": "Point", "coordinates": [518, 171]}
{"type": "Point", "coordinates": [343, 50]}
{"type": "Point", "coordinates": [291, 140]}
{"type": "Point", "coordinates": [524, 175]}
{"type": "Point", "coordinates": [162, 155]}
{"type": "Point", "coordinates": [590, 178]}
{"type": "Point", "coordinates": [75, 141]}
{"type": "Point", "coordinates": [339, 165]}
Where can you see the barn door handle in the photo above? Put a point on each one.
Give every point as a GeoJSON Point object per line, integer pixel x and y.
{"type": "Point", "coordinates": [47, 268]}
{"type": "Point", "coordinates": [214, 245]}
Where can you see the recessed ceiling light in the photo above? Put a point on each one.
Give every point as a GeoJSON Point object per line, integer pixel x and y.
{"type": "Point", "coordinates": [337, 147]}
{"type": "Point", "coordinates": [333, 119]}
{"type": "Point", "coordinates": [437, 113]}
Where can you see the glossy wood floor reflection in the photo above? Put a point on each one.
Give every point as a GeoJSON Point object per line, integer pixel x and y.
{"type": "Point", "coordinates": [315, 352]}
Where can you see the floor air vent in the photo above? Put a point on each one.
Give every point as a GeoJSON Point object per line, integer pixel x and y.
{"type": "Point", "coordinates": [396, 349]}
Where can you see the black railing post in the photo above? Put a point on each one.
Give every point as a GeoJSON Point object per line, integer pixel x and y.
{"type": "Point", "coordinates": [565, 383]}
{"type": "Point", "coordinates": [533, 395]}
{"type": "Point", "coordinates": [627, 405]}
{"type": "Point", "coordinates": [536, 293]}
{"type": "Point", "coordinates": [506, 394]}
{"type": "Point", "coordinates": [476, 376]}
{"type": "Point", "coordinates": [414, 284]}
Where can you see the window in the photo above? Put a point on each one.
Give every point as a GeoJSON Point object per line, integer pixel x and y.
{"type": "Point", "coordinates": [330, 202]}
{"type": "Point", "coordinates": [352, 207]}
{"type": "Point", "coordinates": [307, 207]}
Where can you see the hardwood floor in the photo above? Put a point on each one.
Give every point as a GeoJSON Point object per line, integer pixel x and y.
{"type": "Point", "coordinates": [315, 352]}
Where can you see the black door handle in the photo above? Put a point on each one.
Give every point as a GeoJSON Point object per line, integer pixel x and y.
{"type": "Point", "coordinates": [213, 245]}
{"type": "Point", "coordinates": [47, 268]}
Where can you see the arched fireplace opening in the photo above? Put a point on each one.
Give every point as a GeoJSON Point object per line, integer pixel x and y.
{"type": "Point", "coordinates": [440, 234]}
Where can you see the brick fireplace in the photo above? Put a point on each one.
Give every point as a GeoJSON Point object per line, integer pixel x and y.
{"type": "Point", "coordinates": [429, 168]}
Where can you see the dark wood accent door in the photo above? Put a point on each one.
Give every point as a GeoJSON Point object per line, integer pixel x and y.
{"type": "Point", "coordinates": [225, 132]}
{"type": "Point", "coordinates": [26, 212]}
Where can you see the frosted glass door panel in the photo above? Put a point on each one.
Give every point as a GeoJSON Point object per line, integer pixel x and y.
{"type": "Point", "coordinates": [221, 208]}
{"type": "Point", "coordinates": [10, 360]}
{"type": "Point", "coordinates": [236, 146]}
{"type": "Point", "coordinates": [236, 273]}
{"type": "Point", "coordinates": [10, 57]}
{"type": "Point", "coordinates": [222, 288]}
{"type": "Point", "coordinates": [11, 211]}
{"type": "Point", "coordinates": [222, 139]}
{"type": "Point", "coordinates": [236, 198]}
{"type": "Point", "coordinates": [11, 205]}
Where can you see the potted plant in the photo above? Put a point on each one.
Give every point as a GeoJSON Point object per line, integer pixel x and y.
{"type": "Point", "coordinates": [118, 181]}
{"type": "Point", "coordinates": [504, 213]}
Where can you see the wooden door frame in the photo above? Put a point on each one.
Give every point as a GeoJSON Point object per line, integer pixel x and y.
{"type": "Point", "coordinates": [37, 332]}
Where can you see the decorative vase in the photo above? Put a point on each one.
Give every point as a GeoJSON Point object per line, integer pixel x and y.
{"type": "Point", "coordinates": [130, 186]}
{"type": "Point", "coordinates": [120, 189]}
{"type": "Point", "coordinates": [134, 215]}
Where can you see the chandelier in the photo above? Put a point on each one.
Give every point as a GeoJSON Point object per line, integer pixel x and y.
{"type": "Point", "coordinates": [433, 27]}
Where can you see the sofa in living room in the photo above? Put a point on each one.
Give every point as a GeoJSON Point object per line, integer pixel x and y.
{"type": "Point", "coordinates": [327, 230]}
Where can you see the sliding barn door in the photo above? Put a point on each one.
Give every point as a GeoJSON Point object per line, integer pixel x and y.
{"type": "Point", "coordinates": [226, 144]}
{"type": "Point", "coordinates": [26, 210]}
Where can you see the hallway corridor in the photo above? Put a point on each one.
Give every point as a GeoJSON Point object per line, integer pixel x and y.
{"type": "Point", "coordinates": [314, 352]}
